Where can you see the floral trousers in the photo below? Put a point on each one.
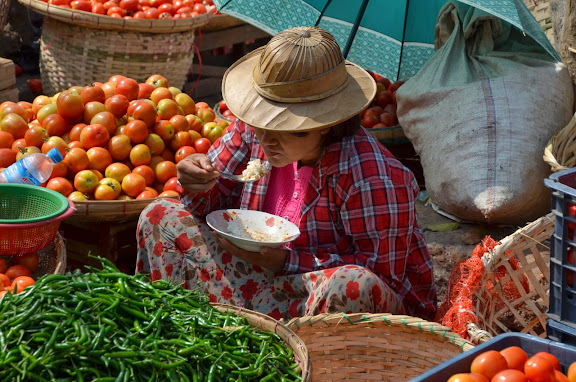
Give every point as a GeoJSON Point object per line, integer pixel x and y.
{"type": "Point", "coordinates": [173, 245]}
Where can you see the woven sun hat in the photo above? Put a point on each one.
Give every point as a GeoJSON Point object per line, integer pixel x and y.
{"type": "Point", "coordinates": [299, 81]}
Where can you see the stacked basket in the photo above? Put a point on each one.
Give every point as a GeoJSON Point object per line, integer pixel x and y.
{"type": "Point", "coordinates": [79, 48]}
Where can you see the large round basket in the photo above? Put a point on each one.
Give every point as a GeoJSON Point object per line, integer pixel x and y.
{"type": "Point", "coordinates": [375, 347]}
{"type": "Point", "coordinates": [79, 48]}
{"type": "Point", "coordinates": [52, 258]}
{"type": "Point", "coordinates": [267, 323]}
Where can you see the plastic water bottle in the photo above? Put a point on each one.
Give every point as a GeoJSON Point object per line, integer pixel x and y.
{"type": "Point", "coordinates": [32, 169]}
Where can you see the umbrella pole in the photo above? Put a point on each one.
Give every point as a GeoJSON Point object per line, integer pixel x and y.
{"type": "Point", "coordinates": [403, 38]}
{"type": "Point", "coordinates": [355, 27]}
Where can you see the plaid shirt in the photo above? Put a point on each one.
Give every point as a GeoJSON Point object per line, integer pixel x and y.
{"type": "Point", "coordinates": [358, 209]}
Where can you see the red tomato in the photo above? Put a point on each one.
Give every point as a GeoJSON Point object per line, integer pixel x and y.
{"type": "Point", "coordinates": [560, 377]}
{"type": "Point", "coordinates": [117, 105]}
{"type": "Point", "coordinates": [5, 280]}
{"type": "Point", "coordinates": [29, 260]}
{"type": "Point", "coordinates": [128, 87]}
{"type": "Point", "coordinates": [510, 375]}
{"type": "Point", "coordinates": [171, 185]}
{"type": "Point", "coordinates": [539, 369]}
{"type": "Point", "coordinates": [6, 139]}
{"type": "Point", "coordinates": [183, 152]}
{"type": "Point", "coordinates": [17, 271]}
{"type": "Point", "coordinates": [488, 363]}
{"type": "Point", "coordinates": [146, 172]}
{"type": "Point", "coordinates": [202, 145]}
{"type": "Point", "coordinates": [3, 265]}
{"type": "Point", "coordinates": [515, 356]}
{"type": "Point", "coordinates": [22, 282]}
{"type": "Point", "coordinates": [95, 135]}
{"type": "Point", "coordinates": [70, 105]}
{"type": "Point", "coordinates": [61, 185]}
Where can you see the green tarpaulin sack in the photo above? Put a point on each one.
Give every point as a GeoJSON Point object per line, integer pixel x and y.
{"type": "Point", "coordinates": [480, 113]}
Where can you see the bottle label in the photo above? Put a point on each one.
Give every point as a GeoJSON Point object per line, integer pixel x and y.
{"type": "Point", "coordinates": [17, 173]}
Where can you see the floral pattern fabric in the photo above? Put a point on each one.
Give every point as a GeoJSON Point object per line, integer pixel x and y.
{"type": "Point", "coordinates": [173, 245]}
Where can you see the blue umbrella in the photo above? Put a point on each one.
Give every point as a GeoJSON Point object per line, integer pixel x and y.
{"type": "Point", "coordinates": [393, 38]}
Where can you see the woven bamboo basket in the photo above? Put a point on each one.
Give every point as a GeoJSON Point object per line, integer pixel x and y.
{"type": "Point", "coordinates": [268, 324]}
{"type": "Point", "coordinates": [560, 152]}
{"type": "Point", "coordinates": [221, 21]}
{"type": "Point", "coordinates": [108, 210]}
{"type": "Point", "coordinates": [375, 347]}
{"type": "Point", "coordinates": [4, 7]}
{"type": "Point", "coordinates": [541, 11]}
{"type": "Point", "coordinates": [52, 258]}
{"type": "Point", "coordinates": [495, 310]}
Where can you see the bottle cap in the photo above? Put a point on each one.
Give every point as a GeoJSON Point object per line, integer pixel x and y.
{"type": "Point", "coordinates": [55, 155]}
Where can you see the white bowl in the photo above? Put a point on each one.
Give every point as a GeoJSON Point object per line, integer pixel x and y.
{"type": "Point", "coordinates": [252, 230]}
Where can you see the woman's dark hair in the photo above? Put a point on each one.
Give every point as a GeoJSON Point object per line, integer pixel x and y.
{"type": "Point", "coordinates": [344, 129]}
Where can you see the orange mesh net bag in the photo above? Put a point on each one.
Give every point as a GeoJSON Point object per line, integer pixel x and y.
{"type": "Point", "coordinates": [503, 286]}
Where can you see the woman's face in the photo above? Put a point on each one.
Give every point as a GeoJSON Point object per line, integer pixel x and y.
{"type": "Point", "coordinates": [283, 148]}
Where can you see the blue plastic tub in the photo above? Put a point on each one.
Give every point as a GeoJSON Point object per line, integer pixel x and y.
{"type": "Point", "coordinates": [560, 332]}
{"type": "Point", "coordinates": [562, 306]}
{"type": "Point", "coordinates": [531, 344]}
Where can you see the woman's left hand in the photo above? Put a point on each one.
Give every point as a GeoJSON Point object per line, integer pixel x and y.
{"type": "Point", "coordinates": [272, 259]}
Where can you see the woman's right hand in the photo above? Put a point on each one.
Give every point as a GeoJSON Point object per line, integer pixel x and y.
{"type": "Point", "coordinates": [196, 173]}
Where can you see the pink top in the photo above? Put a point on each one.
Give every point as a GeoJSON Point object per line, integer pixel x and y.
{"type": "Point", "coordinates": [286, 191]}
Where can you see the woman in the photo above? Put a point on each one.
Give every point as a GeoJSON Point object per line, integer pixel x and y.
{"type": "Point", "coordinates": [360, 250]}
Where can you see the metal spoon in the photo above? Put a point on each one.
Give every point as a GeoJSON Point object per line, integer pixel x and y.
{"type": "Point", "coordinates": [238, 178]}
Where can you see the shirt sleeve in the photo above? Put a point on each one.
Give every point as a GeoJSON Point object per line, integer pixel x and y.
{"type": "Point", "coordinates": [230, 153]}
{"type": "Point", "coordinates": [377, 219]}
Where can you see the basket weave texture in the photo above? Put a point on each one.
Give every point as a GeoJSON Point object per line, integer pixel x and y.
{"type": "Point", "coordinates": [268, 324]}
{"type": "Point", "coordinates": [528, 248]}
{"type": "Point", "coordinates": [375, 347]}
{"type": "Point", "coordinates": [108, 210]}
{"type": "Point", "coordinates": [560, 152]}
{"type": "Point", "coordinates": [52, 258]}
{"type": "Point", "coordinates": [103, 22]}
{"type": "Point", "coordinates": [72, 55]}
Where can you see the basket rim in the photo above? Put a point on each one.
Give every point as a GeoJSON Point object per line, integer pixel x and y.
{"type": "Point", "coordinates": [387, 319]}
{"type": "Point", "coordinates": [93, 20]}
{"type": "Point", "coordinates": [69, 211]}
{"type": "Point", "coordinates": [65, 204]}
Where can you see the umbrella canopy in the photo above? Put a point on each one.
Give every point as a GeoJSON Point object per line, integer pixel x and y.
{"type": "Point", "coordinates": [393, 38]}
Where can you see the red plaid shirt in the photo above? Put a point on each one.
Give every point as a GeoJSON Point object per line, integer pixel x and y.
{"type": "Point", "coordinates": [359, 209]}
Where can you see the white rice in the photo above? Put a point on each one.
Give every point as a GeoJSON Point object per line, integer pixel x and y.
{"type": "Point", "coordinates": [255, 170]}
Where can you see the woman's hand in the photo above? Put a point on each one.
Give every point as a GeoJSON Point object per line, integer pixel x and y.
{"type": "Point", "coordinates": [269, 258]}
{"type": "Point", "coordinates": [196, 173]}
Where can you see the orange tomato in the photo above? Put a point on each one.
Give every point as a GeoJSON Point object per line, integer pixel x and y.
{"type": "Point", "coordinates": [61, 185]}
{"type": "Point", "coordinates": [489, 363]}
{"type": "Point", "coordinates": [22, 282]}
{"type": "Point", "coordinates": [77, 160]}
{"type": "Point", "coordinates": [95, 135]}
{"type": "Point", "coordinates": [461, 377]}
{"type": "Point", "coordinates": [70, 105]}
{"type": "Point", "coordinates": [560, 377]}
{"type": "Point", "coordinates": [539, 369]}
{"type": "Point", "coordinates": [146, 172]}
{"type": "Point", "coordinates": [571, 374]}
{"type": "Point", "coordinates": [5, 280]}
{"type": "Point", "coordinates": [99, 158]}
{"type": "Point", "coordinates": [136, 130]}
{"type": "Point", "coordinates": [515, 356]}
{"type": "Point", "coordinates": [140, 154]}
{"type": "Point", "coordinates": [509, 375]}
{"type": "Point", "coordinates": [183, 152]}
{"type": "Point", "coordinates": [553, 360]}
{"type": "Point", "coordinates": [165, 170]}
{"type": "Point", "coordinates": [119, 147]}
{"type": "Point", "coordinates": [29, 260]}
{"type": "Point", "coordinates": [133, 184]}
{"type": "Point", "coordinates": [17, 271]}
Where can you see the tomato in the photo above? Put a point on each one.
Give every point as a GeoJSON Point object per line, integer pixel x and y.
{"type": "Point", "coordinates": [183, 152]}
{"type": "Point", "coordinates": [117, 105]}
{"type": "Point", "coordinates": [22, 282]}
{"type": "Point", "coordinates": [55, 124]}
{"type": "Point", "coordinates": [146, 194]}
{"type": "Point", "coordinates": [55, 142]}
{"type": "Point", "coordinates": [119, 147]}
{"type": "Point", "coordinates": [61, 185]}
{"type": "Point", "coordinates": [3, 265]}
{"type": "Point", "coordinates": [77, 196]}
{"type": "Point", "coordinates": [165, 170]}
{"type": "Point", "coordinates": [146, 172]}
{"type": "Point", "coordinates": [157, 80]}
{"type": "Point", "coordinates": [117, 171]}
{"type": "Point", "coordinates": [99, 158]}
{"type": "Point", "coordinates": [560, 377]}
{"type": "Point", "coordinates": [196, 123]}
{"type": "Point", "coordinates": [515, 356]}
{"type": "Point", "coordinates": [206, 114]}
{"type": "Point", "coordinates": [136, 130]}
{"type": "Point", "coordinates": [571, 374]}
{"type": "Point", "coordinates": [91, 109]}
{"type": "Point", "coordinates": [222, 106]}
{"type": "Point", "coordinates": [539, 369]}
{"type": "Point", "coordinates": [7, 157]}
{"type": "Point", "coordinates": [70, 105]}
{"type": "Point", "coordinates": [85, 182]}
{"type": "Point", "coordinates": [180, 139]}
{"type": "Point", "coordinates": [133, 184]}
{"type": "Point", "coordinates": [171, 184]}
{"type": "Point", "coordinates": [461, 377]}
{"type": "Point", "coordinates": [92, 93]}
{"type": "Point", "coordinates": [108, 189]}
{"type": "Point", "coordinates": [145, 89]}
{"type": "Point", "coordinates": [96, 135]}
{"type": "Point", "coordinates": [186, 103]}
{"type": "Point", "coordinates": [160, 93]}
{"type": "Point", "coordinates": [14, 124]}
{"type": "Point", "coordinates": [5, 280]}
{"type": "Point", "coordinates": [143, 110]}
{"type": "Point", "coordinates": [59, 170]}
{"type": "Point", "coordinates": [488, 363]}
{"type": "Point", "coordinates": [140, 154]}
{"type": "Point", "coordinates": [169, 194]}
{"type": "Point", "coordinates": [106, 119]}
{"type": "Point", "coordinates": [509, 375]}
{"type": "Point", "coordinates": [128, 87]}
{"type": "Point", "coordinates": [19, 144]}
{"type": "Point", "coordinates": [6, 139]}
{"type": "Point", "coordinates": [17, 271]}
{"type": "Point", "coordinates": [553, 360]}
{"type": "Point", "coordinates": [155, 143]}
{"type": "Point", "coordinates": [35, 136]}
{"type": "Point", "coordinates": [202, 145]}
{"type": "Point", "coordinates": [39, 102]}
{"type": "Point", "coordinates": [77, 160]}
{"type": "Point", "coordinates": [180, 123]}
{"type": "Point", "coordinates": [29, 260]}
{"type": "Point", "coordinates": [35, 85]}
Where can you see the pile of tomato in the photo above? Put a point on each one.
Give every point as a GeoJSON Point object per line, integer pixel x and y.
{"type": "Point", "coordinates": [513, 364]}
{"type": "Point", "coordinates": [16, 274]}
{"type": "Point", "coordinates": [140, 9]}
{"type": "Point", "coordinates": [120, 139]}
{"type": "Point", "coordinates": [381, 112]}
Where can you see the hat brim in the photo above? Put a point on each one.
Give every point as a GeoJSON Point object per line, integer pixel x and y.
{"type": "Point", "coordinates": [253, 109]}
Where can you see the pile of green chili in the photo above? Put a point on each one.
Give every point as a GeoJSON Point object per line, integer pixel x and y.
{"type": "Point", "coordinates": [105, 325]}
